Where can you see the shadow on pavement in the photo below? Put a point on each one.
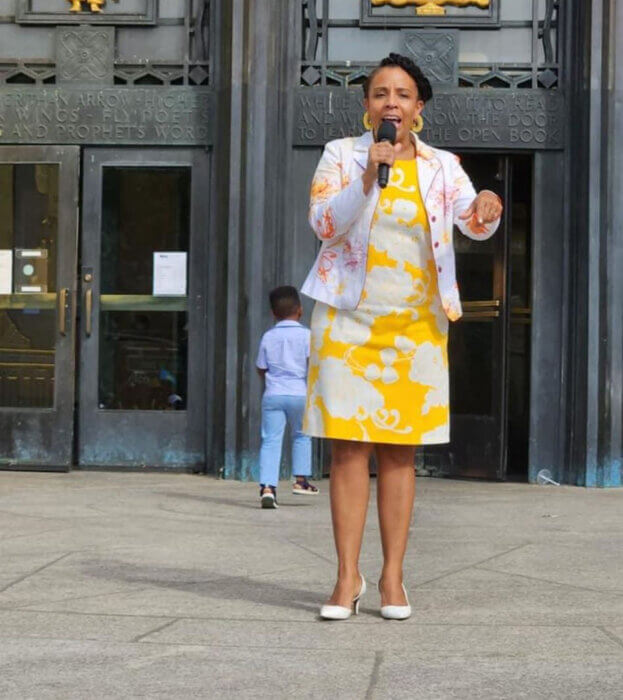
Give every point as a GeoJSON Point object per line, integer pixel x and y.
{"type": "Point", "coordinates": [200, 582]}
{"type": "Point", "coordinates": [252, 505]}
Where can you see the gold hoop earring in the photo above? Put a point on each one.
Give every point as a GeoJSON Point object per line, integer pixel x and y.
{"type": "Point", "coordinates": [418, 124]}
{"type": "Point", "coordinates": [366, 122]}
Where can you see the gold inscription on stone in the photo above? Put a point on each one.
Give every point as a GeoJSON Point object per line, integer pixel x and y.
{"type": "Point", "coordinates": [432, 7]}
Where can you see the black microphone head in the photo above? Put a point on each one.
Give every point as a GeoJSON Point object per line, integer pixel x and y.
{"type": "Point", "coordinates": [386, 132]}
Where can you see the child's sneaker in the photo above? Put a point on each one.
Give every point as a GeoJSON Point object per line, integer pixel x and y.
{"type": "Point", "coordinates": [268, 496]}
{"type": "Point", "coordinates": [304, 488]}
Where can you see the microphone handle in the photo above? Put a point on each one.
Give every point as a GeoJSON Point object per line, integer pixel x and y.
{"type": "Point", "coordinates": [383, 172]}
{"type": "Point", "coordinates": [383, 175]}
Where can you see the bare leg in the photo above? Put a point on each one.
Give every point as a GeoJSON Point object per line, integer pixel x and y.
{"type": "Point", "coordinates": [350, 490]}
{"type": "Point", "coordinates": [395, 494]}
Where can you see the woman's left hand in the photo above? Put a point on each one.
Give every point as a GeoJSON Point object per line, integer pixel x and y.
{"type": "Point", "coordinates": [487, 207]}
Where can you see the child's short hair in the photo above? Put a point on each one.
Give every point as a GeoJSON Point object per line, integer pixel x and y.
{"type": "Point", "coordinates": [284, 301]}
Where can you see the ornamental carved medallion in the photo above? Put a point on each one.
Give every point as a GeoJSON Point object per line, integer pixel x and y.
{"type": "Point", "coordinates": [85, 55]}
{"type": "Point", "coordinates": [436, 52]}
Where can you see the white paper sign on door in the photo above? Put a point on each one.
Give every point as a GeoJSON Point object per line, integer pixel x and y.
{"type": "Point", "coordinates": [6, 271]}
{"type": "Point", "coordinates": [169, 274]}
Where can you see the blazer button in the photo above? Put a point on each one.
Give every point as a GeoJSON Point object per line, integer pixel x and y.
{"type": "Point", "coordinates": [439, 269]}
{"type": "Point", "coordinates": [433, 218]}
{"type": "Point", "coordinates": [436, 244]}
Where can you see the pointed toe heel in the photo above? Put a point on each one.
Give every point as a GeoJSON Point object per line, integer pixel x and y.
{"type": "Point", "coordinates": [396, 612]}
{"type": "Point", "coordinates": [339, 612]}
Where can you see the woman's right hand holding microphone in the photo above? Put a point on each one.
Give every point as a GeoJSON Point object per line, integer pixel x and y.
{"type": "Point", "coordinates": [382, 152]}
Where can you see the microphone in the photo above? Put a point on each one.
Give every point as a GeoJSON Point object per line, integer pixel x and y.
{"type": "Point", "coordinates": [386, 132]}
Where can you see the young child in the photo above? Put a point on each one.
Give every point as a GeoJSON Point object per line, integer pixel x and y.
{"type": "Point", "coordinates": [282, 362]}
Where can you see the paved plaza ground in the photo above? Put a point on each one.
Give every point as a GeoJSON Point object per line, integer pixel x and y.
{"type": "Point", "coordinates": [178, 586]}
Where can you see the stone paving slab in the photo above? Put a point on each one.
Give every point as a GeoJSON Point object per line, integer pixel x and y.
{"type": "Point", "coordinates": [496, 677]}
{"type": "Point", "coordinates": [22, 624]}
{"type": "Point", "coordinates": [423, 640]}
{"type": "Point", "coordinates": [164, 585]}
{"type": "Point", "coordinates": [81, 669]}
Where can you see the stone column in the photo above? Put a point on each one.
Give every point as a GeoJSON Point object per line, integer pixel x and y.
{"type": "Point", "coordinates": [604, 358]}
{"type": "Point", "coordinates": [262, 35]}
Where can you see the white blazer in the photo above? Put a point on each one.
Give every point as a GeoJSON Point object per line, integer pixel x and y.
{"type": "Point", "coordinates": [341, 216]}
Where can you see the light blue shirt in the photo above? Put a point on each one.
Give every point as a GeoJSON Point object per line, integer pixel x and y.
{"type": "Point", "coordinates": [283, 353]}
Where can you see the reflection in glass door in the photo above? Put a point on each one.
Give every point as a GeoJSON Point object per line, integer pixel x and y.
{"type": "Point", "coordinates": [38, 241]}
{"type": "Point", "coordinates": [143, 338]}
{"type": "Point", "coordinates": [28, 237]}
{"type": "Point", "coordinates": [142, 333]}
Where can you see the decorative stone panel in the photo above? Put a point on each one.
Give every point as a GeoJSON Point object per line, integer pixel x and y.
{"type": "Point", "coordinates": [132, 116]}
{"type": "Point", "coordinates": [85, 55]}
{"type": "Point", "coordinates": [455, 118]}
{"type": "Point", "coordinates": [436, 52]}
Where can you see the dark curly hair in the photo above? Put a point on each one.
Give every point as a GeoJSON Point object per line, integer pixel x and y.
{"type": "Point", "coordinates": [425, 91]}
{"type": "Point", "coordinates": [284, 301]}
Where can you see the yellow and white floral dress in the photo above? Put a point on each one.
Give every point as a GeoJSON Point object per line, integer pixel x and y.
{"type": "Point", "coordinates": [380, 373]}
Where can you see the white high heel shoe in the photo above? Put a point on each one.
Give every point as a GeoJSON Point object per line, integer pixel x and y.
{"type": "Point", "coordinates": [396, 612]}
{"type": "Point", "coordinates": [339, 612]}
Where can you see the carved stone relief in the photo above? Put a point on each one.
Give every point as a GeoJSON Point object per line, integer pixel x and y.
{"type": "Point", "coordinates": [85, 55]}
{"type": "Point", "coordinates": [436, 52]}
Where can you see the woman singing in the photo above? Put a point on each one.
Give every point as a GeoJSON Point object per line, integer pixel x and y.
{"type": "Point", "coordinates": [385, 287]}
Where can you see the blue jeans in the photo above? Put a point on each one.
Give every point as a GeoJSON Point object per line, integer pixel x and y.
{"type": "Point", "coordinates": [276, 411]}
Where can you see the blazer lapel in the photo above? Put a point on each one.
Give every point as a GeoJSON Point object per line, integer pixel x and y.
{"type": "Point", "coordinates": [361, 148]}
{"type": "Point", "coordinates": [428, 167]}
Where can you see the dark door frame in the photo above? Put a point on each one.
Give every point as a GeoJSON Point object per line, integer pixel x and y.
{"type": "Point", "coordinates": [42, 438]}
{"type": "Point", "coordinates": [137, 438]}
{"type": "Point", "coordinates": [550, 304]}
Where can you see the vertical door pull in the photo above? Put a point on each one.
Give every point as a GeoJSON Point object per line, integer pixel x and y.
{"type": "Point", "coordinates": [88, 309]}
{"type": "Point", "coordinates": [62, 311]}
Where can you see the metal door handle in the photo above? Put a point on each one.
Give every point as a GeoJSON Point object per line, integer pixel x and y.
{"type": "Point", "coordinates": [88, 309]}
{"type": "Point", "coordinates": [473, 305]}
{"type": "Point", "coordinates": [62, 311]}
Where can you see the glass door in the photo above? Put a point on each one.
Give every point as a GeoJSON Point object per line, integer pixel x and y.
{"type": "Point", "coordinates": [479, 342]}
{"type": "Point", "coordinates": [38, 258]}
{"type": "Point", "coordinates": [142, 325]}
